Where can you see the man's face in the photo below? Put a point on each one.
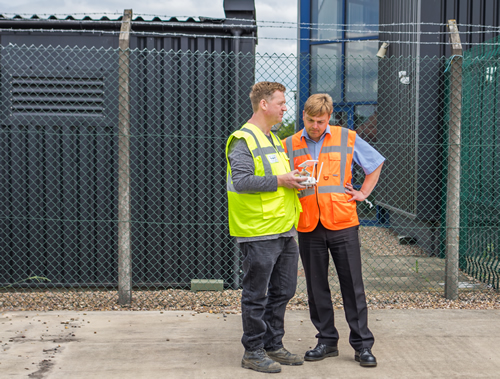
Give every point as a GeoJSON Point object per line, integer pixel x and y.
{"type": "Point", "coordinates": [315, 126]}
{"type": "Point", "coordinates": [275, 107]}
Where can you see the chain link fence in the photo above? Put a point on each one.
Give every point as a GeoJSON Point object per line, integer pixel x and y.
{"type": "Point", "coordinates": [68, 172]}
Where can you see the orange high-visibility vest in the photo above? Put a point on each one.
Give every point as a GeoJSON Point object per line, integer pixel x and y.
{"type": "Point", "coordinates": [327, 201]}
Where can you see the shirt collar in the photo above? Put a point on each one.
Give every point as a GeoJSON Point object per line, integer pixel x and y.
{"type": "Point", "coordinates": [306, 136]}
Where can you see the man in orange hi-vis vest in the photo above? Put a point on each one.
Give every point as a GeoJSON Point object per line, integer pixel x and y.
{"type": "Point", "coordinates": [329, 225]}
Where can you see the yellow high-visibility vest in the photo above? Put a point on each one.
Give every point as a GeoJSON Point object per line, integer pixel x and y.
{"type": "Point", "coordinates": [262, 213]}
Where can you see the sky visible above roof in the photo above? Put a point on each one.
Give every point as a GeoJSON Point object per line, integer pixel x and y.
{"type": "Point", "coordinates": [276, 10]}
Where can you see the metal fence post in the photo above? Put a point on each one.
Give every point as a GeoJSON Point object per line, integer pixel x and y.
{"type": "Point", "coordinates": [453, 183]}
{"type": "Point", "coordinates": [124, 245]}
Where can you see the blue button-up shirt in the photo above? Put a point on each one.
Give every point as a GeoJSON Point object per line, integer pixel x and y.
{"type": "Point", "coordinates": [364, 155]}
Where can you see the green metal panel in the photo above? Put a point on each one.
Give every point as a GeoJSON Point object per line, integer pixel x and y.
{"type": "Point", "coordinates": [480, 164]}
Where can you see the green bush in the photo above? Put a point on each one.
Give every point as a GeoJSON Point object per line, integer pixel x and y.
{"type": "Point", "coordinates": [286, 129]}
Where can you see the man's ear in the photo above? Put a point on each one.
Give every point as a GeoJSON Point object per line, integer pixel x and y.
{"type": "Point", "coordinates": [263, 104]}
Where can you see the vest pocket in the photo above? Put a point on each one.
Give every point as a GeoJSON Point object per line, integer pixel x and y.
{"type": "Point", "coordinates": [342, 211]}
{"type": "Point", "coordinates": [334, 163]}
{"type": "Point", "coordinates": [273, 204]}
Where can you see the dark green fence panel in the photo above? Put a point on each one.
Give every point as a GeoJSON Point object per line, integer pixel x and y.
{"type": "Point", "coordinates": [480, 216]}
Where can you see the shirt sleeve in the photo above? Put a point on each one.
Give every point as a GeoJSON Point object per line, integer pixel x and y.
{"type": "Point", "coordinates": [243, 168]}
{"type": "Point", "coordinates": [366, 156]}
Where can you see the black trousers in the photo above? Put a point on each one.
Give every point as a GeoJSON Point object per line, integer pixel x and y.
{"type": "Point", "coordinates": [344, 247]}
{"type": "Point", "coordinates": [269, 282]}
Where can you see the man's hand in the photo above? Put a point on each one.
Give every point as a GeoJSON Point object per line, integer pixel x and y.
{"type": "Point", "coordinates": [356, 195]}
{"type": "Point", "coordinates": [367, 187]}
{"type": "Point", "coordinates": [291, 180]}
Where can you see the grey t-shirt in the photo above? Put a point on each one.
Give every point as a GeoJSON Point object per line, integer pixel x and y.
{"type": "Point", "coordinates": [244, 180]}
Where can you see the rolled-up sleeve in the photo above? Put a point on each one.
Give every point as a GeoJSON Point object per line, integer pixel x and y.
{"type": "Point", "coordinates": [366, 156]}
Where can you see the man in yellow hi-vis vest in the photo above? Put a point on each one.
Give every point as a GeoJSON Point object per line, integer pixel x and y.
{"type": "Point", "coordinates": [264, 211]}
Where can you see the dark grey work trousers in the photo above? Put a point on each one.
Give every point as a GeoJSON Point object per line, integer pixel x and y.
{"type": "Point", "coordinates": [269, 282]}
{"type": "Point", "coordinates": [345, 250]}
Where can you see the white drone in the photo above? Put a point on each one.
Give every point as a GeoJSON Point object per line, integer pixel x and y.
{"type": "Point", "coordinates": [311, 180]}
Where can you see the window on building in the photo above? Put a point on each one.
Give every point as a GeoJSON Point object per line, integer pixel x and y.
{"type": "Point", "coordinates": [361, 16]}
{"type": "Point", "coordinates": [343, 45]}
{"type": "Point", "coordinates": [327, 12]}
{"type": "Point", "coordinates": [326, 70]}
{"type": "Point", "coordinates": [361, 69]}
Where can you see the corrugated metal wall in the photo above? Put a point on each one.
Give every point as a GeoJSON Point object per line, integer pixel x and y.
{"type": "Point", "coordinates": [416, 202]}
{"type": "Point", "coordinates": [181, 123]}
{"type": "Point", "coordinates": [59, 170]}
{"type": "Point", "coordinates": [417, 195]}
{"type": "Point", "coordinates": [58, 165]}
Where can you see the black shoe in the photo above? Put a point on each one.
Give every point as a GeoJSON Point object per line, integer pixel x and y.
{"type": "Point", "coordinates": [321, 351]}
{"type": "Point", "coordinates": [365, 357]}
{"type": "Point", "coordinates": [259, 361]}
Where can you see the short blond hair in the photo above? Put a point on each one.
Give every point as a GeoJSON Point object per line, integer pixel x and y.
{"type": "Point", "coordinates": [318, 105]}
{"type": "Point", "coordinates": [264, 90]}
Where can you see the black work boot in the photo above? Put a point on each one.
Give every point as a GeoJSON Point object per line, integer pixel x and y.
{"type": "Point", "coordinates": [284, 357]}
{"type": "Point", "coordinates": [259, 361]}
{"type": "Point", "coordinates": [365, 357]}
{"type": "Point", "coordinates": [321, 351]}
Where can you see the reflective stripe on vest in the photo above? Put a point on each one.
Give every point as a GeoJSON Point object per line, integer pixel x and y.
{"type": "Point", "coordinates": [257, 152]}
{"type": "Point", "coordinates": [327, 201]}
{"type": "Point", "coordinates": [289, 148]}
{"type": "Point", "coordinates": [230, 185]}
{"type": "Point", "coordinates": [306, 192]}
{"type": "Point", "coordinates": [299, 152]}
{"type": "Point", "coordinates": [261, 213]}
{"type": "Point", "coordinates": [343, 149]}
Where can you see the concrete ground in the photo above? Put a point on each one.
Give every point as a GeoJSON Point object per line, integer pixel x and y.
{"type": "Point", "coordinates": [409, 344]}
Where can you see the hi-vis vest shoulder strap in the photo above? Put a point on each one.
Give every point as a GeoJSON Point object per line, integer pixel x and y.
{"type": "Point", "coordinates": [327, 201]}
{"type": "Point", "coordinates": [263, 213]}
{"type": "Point", "coordinates": [259, 152]}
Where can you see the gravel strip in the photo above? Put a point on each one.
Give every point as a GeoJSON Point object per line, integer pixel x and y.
{"type": "Point", "coordinates": [228, 301]}
{"type": "Point", "coordinates": [379, 242]}
{"type": "Point", "coordinates": [384, 242]}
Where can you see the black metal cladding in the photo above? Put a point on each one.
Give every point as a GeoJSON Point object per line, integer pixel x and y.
{"type": "Point", "coordinates": [181, 123]}
{"type": "Point", "coordinates": [58, 150]}
{"type": "Point", "coordinates": [58, 164]}
{"type": "Point", "coordinates": [415, 194]}
{"type": "Point", "coordinates": [423, 96]}
{"type": "Point", "coordinates": [421, 121]}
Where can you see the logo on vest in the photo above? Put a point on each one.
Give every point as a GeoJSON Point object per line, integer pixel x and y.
{"type": "Point", "coordinates": [272, 158]}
